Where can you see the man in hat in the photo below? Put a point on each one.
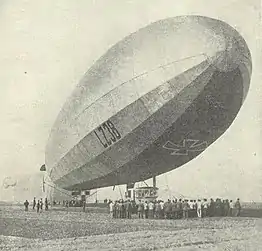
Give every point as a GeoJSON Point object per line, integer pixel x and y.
{"type": "Point", "coordinates": [140, 210]}
{"type": "Point", "coordinates": [199, 208]}
{"type": "Point", "coordinates": [34, 203]}
{"type": "Point", "coordinates": [238, 207]}
{"type": "Point", "coordinates": [26, 204]}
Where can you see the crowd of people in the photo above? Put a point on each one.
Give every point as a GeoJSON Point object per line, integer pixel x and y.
{"type": "Point", "coordinates": [176, 209]}
{"type": "Point", "coordinates": [38, 206]}
{"type": "Point", "coordinates": [158, 209]}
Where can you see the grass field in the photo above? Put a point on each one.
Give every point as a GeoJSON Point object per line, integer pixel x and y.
{"type": "Point", "coordinates": [75, 230]}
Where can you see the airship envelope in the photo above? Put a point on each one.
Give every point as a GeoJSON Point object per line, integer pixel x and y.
{"type": "Point", "coordinates": [151, 103]}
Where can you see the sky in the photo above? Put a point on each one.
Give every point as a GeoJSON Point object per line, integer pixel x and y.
{"type": "Point", "coordinates": [47, 46]}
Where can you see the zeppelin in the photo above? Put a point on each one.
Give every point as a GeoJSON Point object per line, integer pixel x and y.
{"type": "Point", "coordinates": [151, 103]}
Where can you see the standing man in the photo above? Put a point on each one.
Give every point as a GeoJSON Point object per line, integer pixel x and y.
{"type": "Point", "coordinates": [146, 209]}
{"type": "Point", "coordinates": [167, 209]}
{"type": "Point", "coordinates": [158, 210]}
{"type": "Point", "coordinates": [34, 203]}
{"type": "Point", "coordinates": [231, 206]}
{"type": "Point", "coordinates": [195, 208]}
{"type": "Point", "coordinates": [226, 208]}
{"type": "Point", "coordinates": [140, 210]}
{"type": "Point", "coordinates": [26, 205]}
{"type": "Point", "coordinates": [218, 207]}
{"type": "Point", "coordinates": [191, 207]}
{"type": "Point", "coordinates": [129, 209]}
{"type": "Point", "coordinates": [151, 210]}
{"type": "Point", "coordinates": [111, 209]}
{"type": "Point", "coordinates": [122, 209]}
{"type": "Point", "coordinates": [38, 206]}
{"type": "Point", "coordinates": [115, 209]}
{"type": "Point", "coordinates": [84, 205]}
{"type": "Point", "coordinates": [41, 205]}
{"type": "Point", "coordinates": [211, 210]}
{"type": "Point", "coordinates": [180, 208]}
{"type": "Point", "coordinates": [162, 215]}
{"type": "Point", "coordinates": [174, 209]}
{"type": "Point", "coordinates": [238, 207]}
{"type": "Point", "coordinates": [186, 208]}
{"type": "Point", "coordinates": [199, 208]}
{"type": "Point", "coordinates": [46, 204]}
{"type": "Point", "coordinates": [119, 207]}
{"type": "Point", "coordinates": [205, 208]}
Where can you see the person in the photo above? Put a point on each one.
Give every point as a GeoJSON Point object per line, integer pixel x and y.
{"type": "Point", "coordinates": [211, 209]}
{"type": "Point", "coordinates": [38, 206]}
{"type": "Point", "coordinates": [231, 206]}
{"type": "Point", "coordinates": [223, 209]}
{"type": "Point", "coordinates": [146, 209]}
{"type": "Point", "coordinates": [199, 208]}
{"type": "Point", "coordinates": [154, 209]}
{"type": "Point", "coordinates": [115, 210]}
{"type": "Point", "coordinates": [186, 207]}
{"type": "Point", "coordinates": [124, 209]}
{"type": "Point", "coordinates": [134, 207]}
{"type": "Point", "coordinates": [169, 209]}
{"type": "Point", "coordinates": [226, 208]}
{"type": "Point", "coordinates": [205, 208]}
{"type": "Point", "coordinates": [118, 209]}
{"type": "Point", "coordinates": [34, 203]}
{"type": "Point", "coordinates": [162, 215]}
{"type": "Point", "coordinates": [166, 209]}
{"type": "Point", "coordinates": [41, 205]}
{"type": "Point", "coordinates": [238, 207]}
{"type": "Point", "coordinates": [26, 204]}
{"type": "Point", "coordinates": [174, 209]}
{"type": "Point", "coordinates": [46, 204]}
{"type": "Point", "coordinates": [129, 209]}
{"type": "Point", "coordinates": [150, 210]}
{"type": "Point", "coordinates": [194, 208]}
{"type": "Point", "coordinates": [218, 207]}
{"type": "Point", "coordinates": [111, 209]}
{"type": "Point", "coordinates": [140, 210]}
{"type": "Point", "coordinates": [180, 208]}
{"type": "Point", "coordinates": [84, 205]}
{"type": "Point", "coordinates": [158, 210]}
{"type": "Point", "coordinates": [194, 204]}
{"type": "Point", "coordinates": [191, 205]}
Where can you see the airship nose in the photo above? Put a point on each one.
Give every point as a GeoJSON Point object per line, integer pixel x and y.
{"type": "Point", "coordinates": [231, 58]}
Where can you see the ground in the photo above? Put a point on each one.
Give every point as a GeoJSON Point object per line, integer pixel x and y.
{"type": "Point", "coordinates": [75, 230]}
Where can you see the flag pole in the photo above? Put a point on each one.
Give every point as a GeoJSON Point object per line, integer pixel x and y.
{"type": "Point", "coordinates": [43, 169]}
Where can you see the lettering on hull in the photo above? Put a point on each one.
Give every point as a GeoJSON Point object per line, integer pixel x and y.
{"type": "Point", "coordinates": [107, 134]}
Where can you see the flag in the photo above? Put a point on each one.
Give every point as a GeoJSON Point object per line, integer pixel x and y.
{"type": "Point", "coordinates": [43, 168]}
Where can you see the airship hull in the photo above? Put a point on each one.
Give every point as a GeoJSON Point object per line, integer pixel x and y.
{"type": "Point", "coordinates": [144, 132]}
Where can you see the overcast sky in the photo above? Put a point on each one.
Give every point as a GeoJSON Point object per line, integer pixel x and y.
{"type": "Point", "coordinates": [47, 46]}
